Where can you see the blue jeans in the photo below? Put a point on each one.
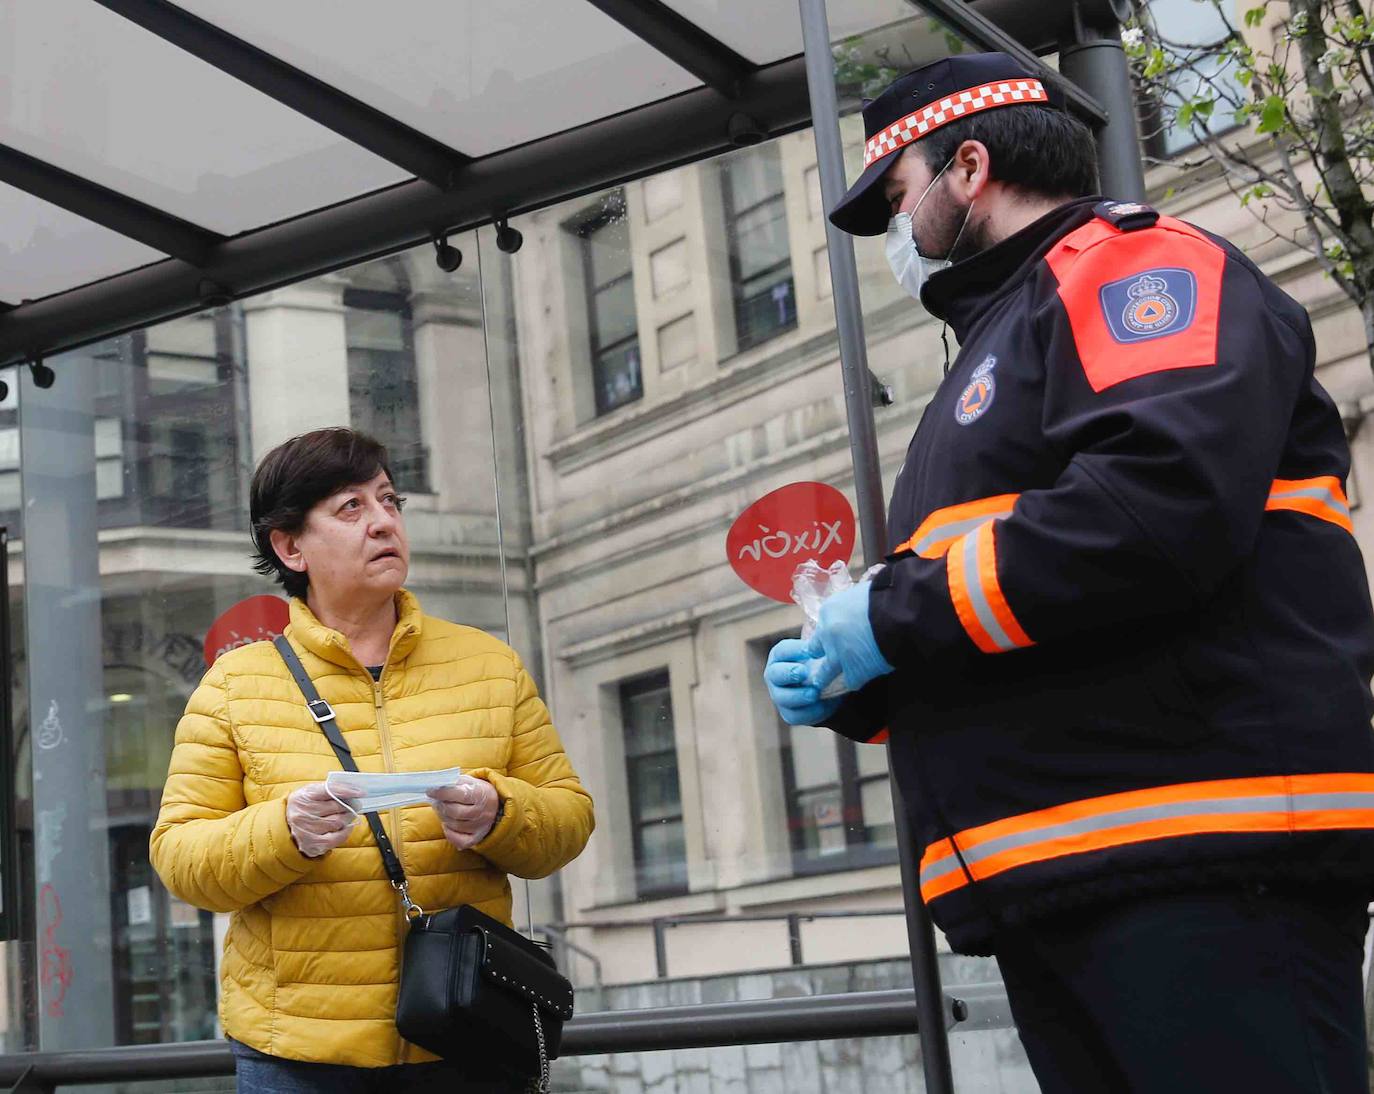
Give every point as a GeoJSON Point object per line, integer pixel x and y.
{"type": "Point", "coordinates": [259, 1073]}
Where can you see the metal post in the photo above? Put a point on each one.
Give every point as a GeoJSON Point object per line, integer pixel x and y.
{"type": "Point", "coordinates": [1095, 61]}
{"type": "Point", "coordinates": [9, 790]}
{"type": "Point", "coordinates": [868, 489]}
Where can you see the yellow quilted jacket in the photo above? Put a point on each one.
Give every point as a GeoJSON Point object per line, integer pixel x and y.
{"type": "Point", "coordinates": [312, 958]}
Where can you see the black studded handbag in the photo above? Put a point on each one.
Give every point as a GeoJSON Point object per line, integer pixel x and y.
{"type": "Point", "coordinates": [471, 988]}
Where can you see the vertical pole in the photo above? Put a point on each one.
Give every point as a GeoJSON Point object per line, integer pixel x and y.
{"type": "Point", "coordinates": [66, 708]}
{"type": "Point", "coordinates": [9, 833]}
{"type": "Point", "coordinates": [868, 489]}
{"type": "Point", "coordinates": [1096, 62]}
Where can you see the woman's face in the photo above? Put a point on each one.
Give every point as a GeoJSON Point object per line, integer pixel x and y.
{"type": "Point", "coordinates": [353, 543]}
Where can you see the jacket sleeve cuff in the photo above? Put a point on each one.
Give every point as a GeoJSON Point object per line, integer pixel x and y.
{"type": "Point", "coordinates": [506, 831]}
{"type": "Point", "coordinates": [282, 846]}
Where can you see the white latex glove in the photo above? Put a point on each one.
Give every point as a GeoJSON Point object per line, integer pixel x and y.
{"type": "Point", "coordinates": [317, 822]}
{"type": "Point", "coordinates": [467, 810]}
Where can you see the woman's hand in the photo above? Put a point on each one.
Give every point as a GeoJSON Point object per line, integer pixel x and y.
{"type": "Point", "coordinates": [467, 810]}
{"type": "Point", "coordinates": [317, 822]}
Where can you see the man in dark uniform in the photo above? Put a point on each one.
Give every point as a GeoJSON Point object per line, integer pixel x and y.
{"type": "Point", "coordinates": [1121, 645]}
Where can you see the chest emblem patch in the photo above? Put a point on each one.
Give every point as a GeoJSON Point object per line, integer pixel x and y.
{"type": "Point", "coordinates": [975, 399]}
{"type": "Point", "coordinates": [1149, 305]}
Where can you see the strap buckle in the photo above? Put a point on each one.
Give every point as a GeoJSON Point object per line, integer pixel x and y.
{"type": "Point", "coordinates": [320, 710]}
{"type": "Point", "coordinates": [413, 910]}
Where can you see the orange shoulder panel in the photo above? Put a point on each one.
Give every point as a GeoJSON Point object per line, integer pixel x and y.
{"type": "Point", "coordinates": [1142, 301]}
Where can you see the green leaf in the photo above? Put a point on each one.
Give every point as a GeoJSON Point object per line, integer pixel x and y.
{"type": "Point", "coordinates": [1272, 115]}
{"type": "Point", "coordinates": [1157, 64]}
{"type": "Point", "coordinates": [1185, 113]}
{"type": "Point", "coordinates": [1255, 16]}
{"type": "Point", "coordinates": [1204, 107]}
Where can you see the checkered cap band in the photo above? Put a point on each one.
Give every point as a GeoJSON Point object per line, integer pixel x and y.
{"type": "Point", "coordinates": [962, 103]}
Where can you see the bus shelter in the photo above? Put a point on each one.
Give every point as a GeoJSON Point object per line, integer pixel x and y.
{"type": "Point", "coordinates": [569, 259]}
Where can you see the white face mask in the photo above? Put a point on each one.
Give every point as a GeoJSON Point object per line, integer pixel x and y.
{"type": "Point", "coordinates": [911, 268]}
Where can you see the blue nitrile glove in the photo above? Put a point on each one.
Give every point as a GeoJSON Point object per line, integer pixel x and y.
{"type": "Point", "coordinates": [788, 676]}
{"type": "Point", "coordinates": [845, 636]}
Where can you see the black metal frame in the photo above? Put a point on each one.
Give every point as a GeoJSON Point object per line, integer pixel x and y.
{"type": "Point", "coordinates": [101, 205]}
{"type": "Point", "coordinates": [669, 133]}
{"type": "Point", "coordinates": [766, 1021]}
{"type": "Point", "coordinates": [352, 119]}
{"type": "Point", "coordinates": [681, 41]}
{"type": "Point", "coordinates": [978, 28]}
{"type": "Point", "coordinates": [682, 129]}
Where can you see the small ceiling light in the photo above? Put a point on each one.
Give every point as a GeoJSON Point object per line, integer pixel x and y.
{"type": "Point", "coordinates": [121, 697]}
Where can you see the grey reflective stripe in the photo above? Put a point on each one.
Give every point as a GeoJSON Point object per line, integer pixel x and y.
{"type": "Point", "coordinates": [978, 598]}
{"type": "Point", "coordinates": [956, 528]}
{"type": "Point", "coordinates": [1121, 818]}
{"type": "Point", "coordinates": [1320, 493]}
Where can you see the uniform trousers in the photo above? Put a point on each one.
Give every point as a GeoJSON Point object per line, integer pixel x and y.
{"type": "Point", "coordinates": [1255, 989]}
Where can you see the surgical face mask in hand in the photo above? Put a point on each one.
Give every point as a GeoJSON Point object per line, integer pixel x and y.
{"type": "Point", "coordinates": [388, 789]}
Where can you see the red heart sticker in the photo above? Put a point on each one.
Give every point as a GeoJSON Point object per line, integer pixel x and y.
{"type": "Point", "coordinates": [251, 620]}
{"type": "Point", "coordinates": [780, 531]}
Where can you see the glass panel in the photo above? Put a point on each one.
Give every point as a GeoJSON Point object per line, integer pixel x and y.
{"type": "Point", "coordinates": [769, 30]}
{"type": "Point", "coordinates": [615, 312]}
{"type": "Point", "coordinates": [94, 94]}
{"type": "Point", "coordinates": [813, 756]}
{"type": "Point", "coordinates": [44, 249]}
{"type": "Point", "coordinates": [475, 75]}
{"type": "Point", "coordinates": [1191, 27]}
{"type": "Point", "coordinates": [762, 235]}
{"type": "Point", "coordinates": [142, 486]}
{"type": "Point", "coordinates": [876, 800]}
{"type": "Point", "coordinates": [608, 248]}
{"type": "Point", "coordinates": [383, 383]}
{"type": "Point", "coordinates": [820, 817]}
{"type": "Point", "coordinates": [622, 521]}
{"type": "Point", "coordinates": [617, 377]}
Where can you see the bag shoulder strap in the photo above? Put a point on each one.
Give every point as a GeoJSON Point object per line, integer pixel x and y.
{"type": "Point", "coordinates": [323, 714]}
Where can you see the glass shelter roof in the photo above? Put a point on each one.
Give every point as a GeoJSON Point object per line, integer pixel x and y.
{"type": "Point", "coordinates": [156, 157]}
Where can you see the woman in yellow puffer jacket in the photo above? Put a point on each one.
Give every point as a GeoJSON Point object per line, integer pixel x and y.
{"type": "Point", "coordinates": [312, 957]}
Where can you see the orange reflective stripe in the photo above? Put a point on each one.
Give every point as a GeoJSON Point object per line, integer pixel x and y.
{"type": "Point", "coordinates": [1264, 804]}
{"type": "Point", "coordinates": [879, 738]}
{"type": "Point", "coordinates": [944, 526]}
{"type": "Point", "coordinates": [971, 567]}
{"type": "Point", "coordinates": [956, 571]}
{"type": "Point", "coordinates": [992, 588]}
{"type": "Point", "coordinates": [1322, 497]}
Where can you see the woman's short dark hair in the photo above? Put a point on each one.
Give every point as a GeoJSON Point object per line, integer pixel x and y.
{"type": "Point", "coordinates": [1034, 148]}
{"type": "Point", "coordinates": [297, 475]}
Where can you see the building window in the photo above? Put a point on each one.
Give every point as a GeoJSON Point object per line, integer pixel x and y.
{"type": "Point", "coordinates": [660, 848]}
{"type": "Point", "coordinates": [1196, 29]}
{"type": "Point", "coordinates": [839, 808]}
{"type": "Point", "coordinates": [760, 257]}
{"type": "Point", "coordinates": [612, 326]}
{"type": "Point", "coordinates": [383, 385]}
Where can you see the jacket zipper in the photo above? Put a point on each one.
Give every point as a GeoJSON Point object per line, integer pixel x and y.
{"type": "Point", "coordinates": [389, 762]}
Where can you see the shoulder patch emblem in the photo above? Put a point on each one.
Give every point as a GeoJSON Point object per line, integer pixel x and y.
{"type": "Point", "coordinates": [1149, 305]}
{"type": "Point", "coordinates": [977, 397]}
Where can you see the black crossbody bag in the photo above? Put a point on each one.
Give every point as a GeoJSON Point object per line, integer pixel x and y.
{"type": "Point", "coordinates": [470, 986]}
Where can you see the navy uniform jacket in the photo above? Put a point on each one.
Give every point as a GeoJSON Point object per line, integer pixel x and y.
{"type": "Point", "coordinates": [1129, 619]}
